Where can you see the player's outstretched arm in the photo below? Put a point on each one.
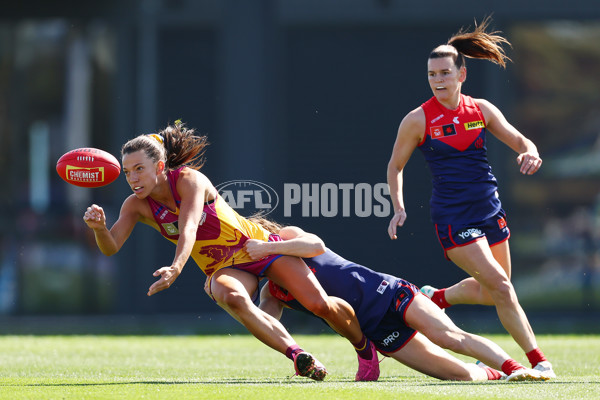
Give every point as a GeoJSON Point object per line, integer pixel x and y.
{"type": "Point", "coordinates": [110, 241]}
{"type": "Point", "coordinates": [296, 242]}
{"type": "Point", "coordinates": [193, 188]}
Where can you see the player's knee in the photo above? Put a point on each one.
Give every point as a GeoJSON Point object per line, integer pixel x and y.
{"type": "Point", "coordinates": [503, 292]}
{"type": "Point", "coordinates": [233, 301]}
{"type": "Point", "coordinates": [318, 306]}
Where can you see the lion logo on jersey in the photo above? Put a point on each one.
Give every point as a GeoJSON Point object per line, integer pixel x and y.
{"type": "Point", "coordinates": [221, 252]}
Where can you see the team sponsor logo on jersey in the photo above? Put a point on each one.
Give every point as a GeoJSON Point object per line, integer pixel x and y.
{"type": "Point", "coordinates": [470, 232]}
{"type": "Point", "coordinates": [436, 119]}
{"type": "Point", "coordinates": [171, 228]}
{"type": "Point", "coordinates": [391, 338]}
{"type": "Point", "coordinates": [442, 131]}
{"type": "Point", "coordinates": [202, 219]}
{"type": "Point", "coordinates": [455, 120]}
{"type": "Point", "coordinates": [164, 214]}
{"type": "Point", "coordinates": [474, 125]}
{"type": "Point", "coordinates": [382, 286]}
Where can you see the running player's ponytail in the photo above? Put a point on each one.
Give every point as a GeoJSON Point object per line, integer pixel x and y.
{"type": "Point", "coordinates": [176, 145]}
{"type": "Point", "coordinates": [476, 44]}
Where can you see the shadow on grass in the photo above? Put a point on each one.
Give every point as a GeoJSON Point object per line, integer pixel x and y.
{"type": "Point", "coordinates": [417, 381]}
{"type": "Point", "coordinates": [228, 381]}
{"type": "Point", "coordinates": [295, 381]}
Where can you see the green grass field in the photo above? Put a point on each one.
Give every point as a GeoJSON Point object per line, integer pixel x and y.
{"type": "Point", "coordinates": [240, 367]}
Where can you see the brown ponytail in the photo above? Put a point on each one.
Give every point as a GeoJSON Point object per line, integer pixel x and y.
{"type": "Point", "coordinates": [176, 145]}
{"type": "Point", "coordinates": [183, 147]}
{"type": "Point", "coordinates": [265, 223]}
{"type": "Point", "coordinates": [476, 44]}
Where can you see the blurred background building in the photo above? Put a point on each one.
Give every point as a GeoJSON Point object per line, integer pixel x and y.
{"type": "Point", "coordinates": [289, 92]}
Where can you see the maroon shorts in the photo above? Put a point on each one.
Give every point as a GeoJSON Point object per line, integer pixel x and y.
{"type": "Point", "coordinates": [259, 267]}
{"type": "Point", "coordinates": [256, 268]}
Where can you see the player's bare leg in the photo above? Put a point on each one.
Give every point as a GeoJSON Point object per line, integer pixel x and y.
{"type": "Point", "coordinates": [470, 291]}
{"type": "Point", "coordinates": [293, 274]}
{"type": "Point", "coordinates": [427, 318]}
{"type": "Point", "coordinates": [426, 357]}
{"type": "Point", "coordinates": [478, 261]}
{"type": "Point", "coordinates": [231, 289]}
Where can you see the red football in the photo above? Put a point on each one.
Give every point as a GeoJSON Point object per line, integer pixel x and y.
{"type": "Point", "coordinates": [88, 167]}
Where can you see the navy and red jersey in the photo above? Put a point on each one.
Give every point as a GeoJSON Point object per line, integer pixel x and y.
{"type": "Point", "coordinates": [370, 293]}
{"type": "Point", "coordinates": [454, 146]}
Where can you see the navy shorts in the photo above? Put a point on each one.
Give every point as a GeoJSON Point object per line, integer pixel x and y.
{"type": "Point", "coordinates": [493, 229]}
{"type": "Point", "coordinates": [392, 333]}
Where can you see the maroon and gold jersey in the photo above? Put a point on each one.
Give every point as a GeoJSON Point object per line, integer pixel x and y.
{"type": "Point", "coordinates": [221, 232]}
